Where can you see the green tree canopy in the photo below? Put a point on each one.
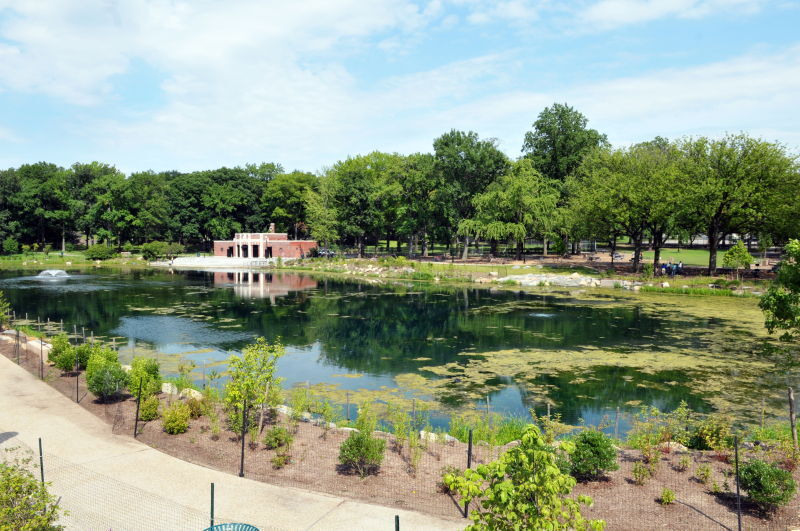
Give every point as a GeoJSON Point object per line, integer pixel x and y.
{"type": "Point", "coordinates": [781, 302]}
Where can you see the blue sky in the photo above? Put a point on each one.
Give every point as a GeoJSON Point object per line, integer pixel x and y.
{"type": "Point", "coordinates": [196, 84]}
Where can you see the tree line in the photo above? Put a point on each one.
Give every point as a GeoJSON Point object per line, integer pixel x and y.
{"type": "Point", "coordinates": [568, 184]}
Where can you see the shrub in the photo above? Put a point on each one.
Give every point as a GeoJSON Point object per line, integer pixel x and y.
{"type": "Point", "coordinates": [641, 473]}
{"type": "Point", "coordinates": [594, 454]}
{"type": "Point", "coordinates": [59, 345]}
{"type": "Point", "coordinates": [667, 496]}
{"type": "Point", "coordinates": [362, 452]}
{"type": "Point", "coordinates": [281, 460]}
{"type": "Point", "coordinates": [105, 377]}
{"type": "Point", "coordinates": [277, 437]}
{"type": "Point", "coordinates": [703, 473]}
{"type": "Point", "coordinates": [10, 246]}
{"type": "Point", "coordinates": [197, 408]}
{"type": "Point", "coordinates": [24, 502]}
{"type": "Point", "coordinates": [683, 464]}
{"type": "Point", "coordinates": [100, 252]}
{"type": "Point", "coordinates": [448, 474]}
{"type": "Point", "coordinates": [148, 409]}
{"type": "Point", "coordinates": [647, 270]}
{"type": "Point", "coordinates": [712, 433]}
{"type": "Point", "coordinates": [146, 371]}
{"type": "Point", "coordinates": [766, 484]}
{"type": "Point", "coordinates": [154, 250]}
{"type": "Point", "coordinates": [175, 418]}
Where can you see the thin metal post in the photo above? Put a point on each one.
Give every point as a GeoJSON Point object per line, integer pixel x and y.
{"type": "Point", "coordinates": [77, 377]}
{"type": "Point", "coordinates": [348, 406]}
{"type": "Point", "coordinates": [738, 497]}
{"type": "Point", "coordinates": [414, 411]}
{"type": "Point", "coordinates": [397, 522]}
{"type": "Point", "coordinates": [616, 424]}
{"type": "Point", "coordinates": [212, 505]}
{"type": "Point", "coordinates": [138, 400]}
{"type": "Point", "coordinates": [792, 418]}
{"type": "Point", "coordinates": [244, 430]}
{"type": "Point", "coordinates": [41, 460]}
{"type": "Point", "coordinates": [469, 465]}
{"type": "Point", "coordinates": [41, 358]}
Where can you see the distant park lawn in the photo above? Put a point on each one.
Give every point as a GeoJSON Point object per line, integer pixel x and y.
{"type": "Point", "coordinates": [692, 257]}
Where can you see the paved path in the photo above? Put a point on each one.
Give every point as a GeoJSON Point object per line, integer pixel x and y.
{"type": "Point", "coordinates": [114, 482]}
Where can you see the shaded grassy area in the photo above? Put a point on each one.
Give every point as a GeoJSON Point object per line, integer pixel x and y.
{"type": "Point", "coordinates": [55, 261]}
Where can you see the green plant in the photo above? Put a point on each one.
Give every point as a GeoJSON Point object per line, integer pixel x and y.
{"type": "Point", "coordinates": [175, 418]}
{"type": "Point", "coordinates": [59, 346]}
{"type": "Point", "coordinates": [5, 308]}
{"type": "Point", "coordinates": [105, 377]}
{"type": "Point", "coordinates": [641, 473]}
{"type": "Point", "coordinates": [145, 371]}
{"type": "Point", "coordinates": [712, 433]}
{"type": "Point", "coordinates": [447, 475]}
{"type": "Point", "coordinates": [280, 460]}
{"type": "Point", "coordinates": [300, 403]}
{"type": "Point", "coordinates": [196, 408]}
{"type": "Point", "coordinates": [647, 270]}
{"type": "Point", "coordinates": [329, 415]}
{"type": "Point", "coordinates": [10, 246]}
{"type": "Point", "coordinates": [593, 455]}
{"type": "Point", "coordinates": [551, 426]}
{"type": "Point", "coordinates": [766, 484]}
{"type": "Point", "coordinates": [148, 408]}
{"type": "Point", "coordinates": [667, 496]}
{"type": "Point", "coordinates": [703, 473]}
{"type": "Point", "coordinates": [523, 489]}
{"type": "Point", "coordinates": [25, 503]}
{"type": "Point", "coordinates": [100, 252]}
{"type": "Point", "coordinates": [362, 453]}
{"type": "Point", "coordinates": [401, 425]}
{"type": "Point", "coordinates": [277, 437]}
{"type": "Point", "coordinates": [683, 463]}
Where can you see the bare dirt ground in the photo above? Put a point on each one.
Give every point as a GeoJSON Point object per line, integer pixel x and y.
{"type": "Point", "coordinates": [314, 465]}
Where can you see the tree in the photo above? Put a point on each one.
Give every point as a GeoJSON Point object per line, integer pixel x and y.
{"type": "Point", "coordinates": [517, 205]}
{"type": "Point", "coordinates": [781, 302]}
{"type": "Point", "coordinates": [523, 489]}
{"type": "Point", "coordinates": [737, 257]}
{"type": "Point", "coordinates": [25, 503]}
{"type": "Point", "coordinates": [252, 376]}
{"type": "Point", "coordinates": [559, 141]}
{"type": "Point", "coordinates": [420, 203]}
{"type": "Point", "coordinates": [321, 212]}
{"type": "Point", "coordinates": [5, 308]}
{"type": "Point", "coordinates": [734, 182]}
{"type": "Point", "coordinates": [467, 166]}
{"type": "Point", "coordinates": [283, 202]}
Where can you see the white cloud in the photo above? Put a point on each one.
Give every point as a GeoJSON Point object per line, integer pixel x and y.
{"type": "Point", "coordinates": [756, 93]}
{"type": "Point", "coordinates": [608, 14]}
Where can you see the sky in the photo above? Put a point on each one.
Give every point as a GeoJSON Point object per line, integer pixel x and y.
{"type": "Point", "coordinates": [199, 84]}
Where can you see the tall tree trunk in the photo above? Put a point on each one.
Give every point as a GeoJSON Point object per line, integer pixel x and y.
{"type": "Point", "coordinates": [493, 247]}
{"type": "Point", "coordinates": [466, 247]}
{"type": "Point", "coordinates": [387, 244]}
{"type": "Point", "coordinates": [637, 253]}
{"type": "Point", "coordinates": [63, 241]}
{"type": "Point", "coordinates": [613, 248]}
{"type": "Point", "coordinates": [713, 243]}
{"type": "Point", "coordinates": [519, 249]}
{"type": "Point", "coordinates": [360, 243]}
{"type": "Point", "coordinates": [544, 247]}
{"type": "Point", "coordinates": [424, 244]}
{"type": "Point", "coordinates": [657, 243]}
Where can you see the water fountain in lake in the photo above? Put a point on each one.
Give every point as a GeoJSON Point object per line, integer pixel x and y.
{"type": "Point", "coordinates": [53, 273]}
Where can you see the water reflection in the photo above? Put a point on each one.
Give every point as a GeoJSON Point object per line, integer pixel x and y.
{"type": "Point", "coordinates": [262, 285]}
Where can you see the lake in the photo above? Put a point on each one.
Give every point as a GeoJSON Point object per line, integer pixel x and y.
{"type": "Point", "coordinates": [585, 352]}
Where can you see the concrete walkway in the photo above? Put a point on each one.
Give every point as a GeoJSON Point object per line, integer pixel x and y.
{"type": "Point", "coordinates": [109, 481]}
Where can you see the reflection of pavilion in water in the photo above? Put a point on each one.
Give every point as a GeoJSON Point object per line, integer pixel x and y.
{"type": "Point", "coordinates": [259, 285]}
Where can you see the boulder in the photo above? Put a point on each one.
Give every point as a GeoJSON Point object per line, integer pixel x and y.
{"type": "Point", "coordinates": [285, 410]}
{"type": "Point", "coordinates": [665, 284]}
{"type": "Point", "coordinates": [306, 416]}
{"type": "Point", "coordinates": [492, 273]}
{"type": "Point", "coordinates": [169, 388]}
{"type": "Point", "coordinates": [673, 447]}
{"type": "Point", "coordinates": [636, 288]}
{"type": "Point", "coordinates": [191, 393]}
{"type": "Point", "coordinates": [347, 429]}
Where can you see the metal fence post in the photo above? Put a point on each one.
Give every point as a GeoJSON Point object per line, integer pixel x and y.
{"type": "Point", "coordinates": [41, 357]}
{"type": "Point", "coordinates": [77, 377]}
{"type": "Point", "coordinates": [41, 460]}
{"type": "Point", "coordinates": [138, 400]}
{"type": "Point", "coordinates": [469, 465]}
{"type": "Point", "coordinates": [212, 505]}
{"type": "Point", "coordinates": [244, 430]}
{"type": "Point", "coordinates": [348, 406]}
{"type": "Point", "coordinates": [738, 496]}
{"type": "Point", "coordinates": [397, 522]}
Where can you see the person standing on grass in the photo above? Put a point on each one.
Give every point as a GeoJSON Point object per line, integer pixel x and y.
{"type": "Point", "coordinates": [680, 267]}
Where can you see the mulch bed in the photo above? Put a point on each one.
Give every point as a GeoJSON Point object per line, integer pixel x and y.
{"type": "Point", "coordinates": [314, 465]}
